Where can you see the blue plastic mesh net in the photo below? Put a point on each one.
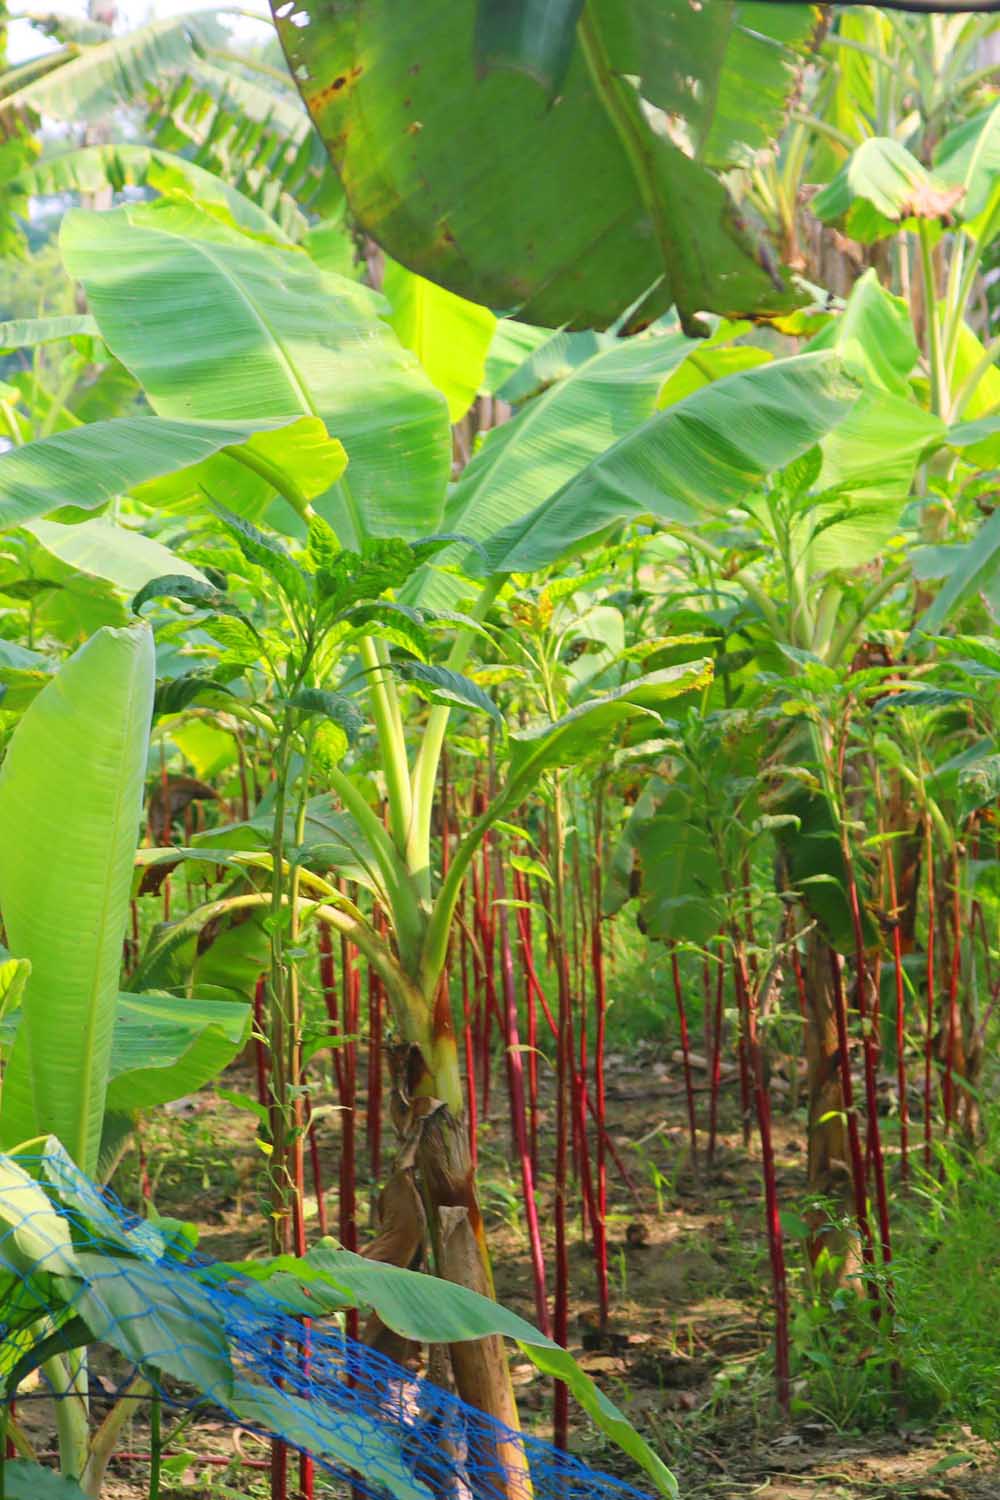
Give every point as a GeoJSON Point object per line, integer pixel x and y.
{"type": "Point", "coordinates": [200, 1332]}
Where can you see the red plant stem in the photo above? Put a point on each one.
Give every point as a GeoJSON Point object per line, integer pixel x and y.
{"type": "Point", "coordinates": [518, 1113]}
{"type": "Point", "coordinates": [472, 1115]}
{"type": "Point", "coordinates": [581, 1150]}
{"type": "Point", "coordinates": [279, 1471]}
{"type": "Point", "coordinates": [484, 933]}
{"type": "Point", "coordinates": [527, 957]}
{"type": "Point", "coordinates": [743, 1053]}
{"type": "Point", "coordinates": [686, 1051]}
{"type": "Point", "coordinates": [522, 891]}
{"type": "Point", "coordinates": [954, 977]}
{"type": "Point", "coordinates": [853, 1136]}
{"type": "Point", "coordinates": [600, 1029]}
{"type": "Point", "coordinates": [560, 1321]}
{"type": "Point", "coordinates": [588, 1201]}
{"type": "Point", "coordinates": [931, 1006]}
{"type": "Point", "coordinates": [897, 963]}
{"type": "Point", "coordinates": [775, 1240]}
{"type": "Point", "coordinates": [875, 1152]}
{"type": "Point", "coordinates": [716, 1079]}
{"type": "Point", "coordinates": [350, 988]}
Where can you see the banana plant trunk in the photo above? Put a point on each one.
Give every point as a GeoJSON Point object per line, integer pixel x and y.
{"type": "Point", "coordinates": [432, 1202]}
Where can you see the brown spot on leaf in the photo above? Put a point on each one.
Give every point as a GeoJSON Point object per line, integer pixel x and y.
{"type": "Point", "coordinates": [929, 202]}
{"type": "Point", "coordinates": [414, 127]}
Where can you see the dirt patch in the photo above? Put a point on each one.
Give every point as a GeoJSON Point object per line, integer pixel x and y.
{"type": "Point", "coordinates": [687, 1353]}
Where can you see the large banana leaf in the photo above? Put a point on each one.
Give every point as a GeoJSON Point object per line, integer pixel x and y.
{"type": "Point", "coordinates": [82, 576]}
{"type": "Point", "coordinates": [975, 569]}
{"type": "Point", "coordinates": [236, 329]}
{"type": "Point", "coordinates": [70, 810]}
{"type": "Point", "coordinates": [695, 459]}
{"type": "Point", "coordinates": [165, 1046]}
{"type": "Point", "coordinates": [725, 69]}
{"type": "Point", "coordinates": [572, 209]}
{"type": "Point", "coordinates": [546, 444]}
{"type": "Point", "coordinates": [873, 336]}
{"type": "Point", "coordinates": [86, 467]}
{"type": "Point", "coordinates": [101, 549]}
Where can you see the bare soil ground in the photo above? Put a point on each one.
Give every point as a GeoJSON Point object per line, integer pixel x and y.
{"type": "Point", "coordinates": [688, 1351]}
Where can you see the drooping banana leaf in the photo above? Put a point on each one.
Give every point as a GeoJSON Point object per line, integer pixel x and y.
{"type": "Point", "coordinates": [100, 549]}
{"type": "Point", "coordinates": [233, 328]}
{"type": "Point", "coordinates": [85, 467]}
{"type": "Point", "coordinates": [70, 810]}
{"type": "Point", "coordinates": [250, 133]}
{"type": "Point", "coordinates": [571, 208]}
{"type": "Point", "coordinates": [426, 1309]}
